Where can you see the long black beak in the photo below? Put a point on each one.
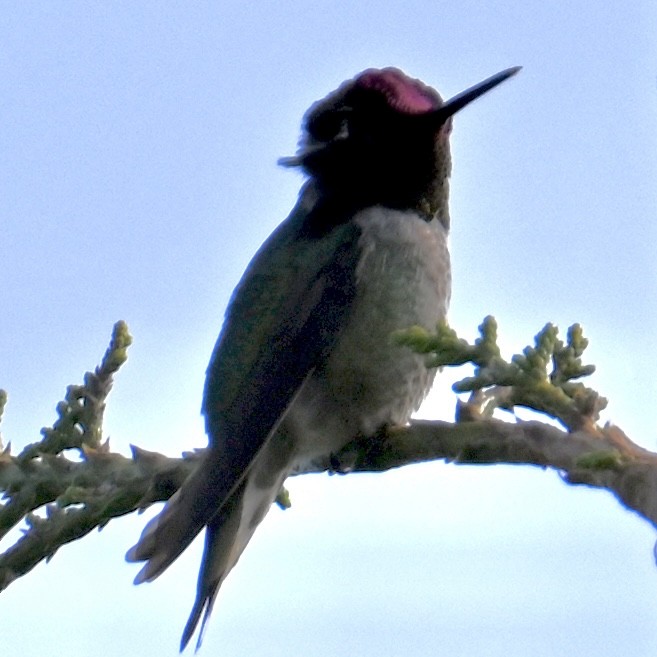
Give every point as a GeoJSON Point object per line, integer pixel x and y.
{"type": "Point", "coordinates": [439, 116]}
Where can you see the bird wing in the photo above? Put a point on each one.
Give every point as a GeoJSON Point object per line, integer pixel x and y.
{"type": "Point", "coordinates": [284, 316]}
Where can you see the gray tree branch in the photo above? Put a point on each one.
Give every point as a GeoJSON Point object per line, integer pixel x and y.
{"type": "Point", "coordinates": [75, 496]}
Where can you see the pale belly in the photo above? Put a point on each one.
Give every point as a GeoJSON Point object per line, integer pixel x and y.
{"type": "Point", "coordinates": [403, 279]}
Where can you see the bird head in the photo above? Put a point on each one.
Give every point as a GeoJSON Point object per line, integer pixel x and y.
{"type": "Point", "coordinates": [383, 138]}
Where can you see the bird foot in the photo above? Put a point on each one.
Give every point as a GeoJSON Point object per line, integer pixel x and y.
{"type": "Point", "coordinates": [344, 461]}
{"type": "Point", "coordinates": [358, 450]}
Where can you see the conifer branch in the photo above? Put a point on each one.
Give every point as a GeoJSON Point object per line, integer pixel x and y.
{"type": "Point", "coordinates": [60, 497]}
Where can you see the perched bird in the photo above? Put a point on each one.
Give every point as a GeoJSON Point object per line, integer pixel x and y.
{"type": "Point", "coordinates": [304, 363]}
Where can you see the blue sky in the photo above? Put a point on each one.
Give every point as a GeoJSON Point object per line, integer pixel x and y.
{"type": "Point", "coordinates": [139, 143]}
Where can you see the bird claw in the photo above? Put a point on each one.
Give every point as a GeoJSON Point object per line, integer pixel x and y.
{"type": "Point", "coordinates": [358, 450]}
{"type": "Point", "coordinates": [344, 461]}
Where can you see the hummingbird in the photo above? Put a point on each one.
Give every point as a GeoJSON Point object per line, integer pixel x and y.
{"type": "Point", "coordinates": [304, 363]}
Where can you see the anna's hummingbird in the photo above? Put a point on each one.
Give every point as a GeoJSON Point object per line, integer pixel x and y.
{"type": "Point", "coordinates": [304, 363]}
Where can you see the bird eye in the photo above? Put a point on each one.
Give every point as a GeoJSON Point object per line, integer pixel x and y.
{"type": "Point", "coordinates": [329, 125]}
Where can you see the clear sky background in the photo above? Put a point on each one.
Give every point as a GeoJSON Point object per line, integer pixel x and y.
{"type": "Point", "coordinates": [138, 148]}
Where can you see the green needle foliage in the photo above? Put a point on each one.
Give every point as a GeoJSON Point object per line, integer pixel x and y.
{"type": "Point", "coordinates": [81, 413]}
{"type": "Point", "coordinates": [542, 377]}
{"type": "Point", "coordinates": [82, 493]}
{"type": "Point", "coordinates": [69, 483]}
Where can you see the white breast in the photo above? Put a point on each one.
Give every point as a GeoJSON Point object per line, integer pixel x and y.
{"type": "Point", "coordinates": [403, 279]}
